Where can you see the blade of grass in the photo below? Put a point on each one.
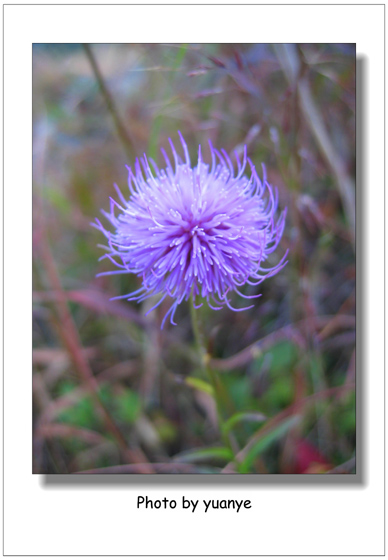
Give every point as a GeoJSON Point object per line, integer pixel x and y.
{"type": "Point", "coordinates": [121, 130]}
{"type": "Point", "coordinates": [263, 443]}
{"type": "Point", "coordinates": [288, 332]}
{"type": "Point", "coordinates": [158, 120]}
{"type": "Point", "coordinates": [291, 63]}
{"type": "Point", "coordinates": [222, 453]}
{"type": "Point", "coordinates": [66, 431]}
{"type": "Point", "coordinates": [199, 384]}
{"type": "Point", "coordinates": [294, 409]}
{"type": "Point", "coordinates": [243, 417]}
{"type": "Point", "coordinates": [69, 334]}
{"type": "Point", "coordinates": [161, 468]}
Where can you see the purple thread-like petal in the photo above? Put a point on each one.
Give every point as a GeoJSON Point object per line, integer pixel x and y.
{"type": "Point", "coordinates": [194, 231]}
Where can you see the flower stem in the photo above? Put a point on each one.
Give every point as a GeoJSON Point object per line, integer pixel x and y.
{"type": "Point", "coordinates": [198, 332]}
{"type": "Point", "coordinates": [209, 373]}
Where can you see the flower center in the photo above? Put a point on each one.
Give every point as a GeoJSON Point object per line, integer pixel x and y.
{"type": "Point", "coordinates": [195, 230]}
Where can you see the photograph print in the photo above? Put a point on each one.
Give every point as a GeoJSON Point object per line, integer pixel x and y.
{"type": "Point", "coordinates": [194, 279]}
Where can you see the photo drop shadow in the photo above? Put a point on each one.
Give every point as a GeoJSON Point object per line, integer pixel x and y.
{"type": "Point", "coordinates": [48, 481]}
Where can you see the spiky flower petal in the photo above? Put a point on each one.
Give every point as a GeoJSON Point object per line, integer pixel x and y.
{"type": "Point", "coordinates": [194, 231]}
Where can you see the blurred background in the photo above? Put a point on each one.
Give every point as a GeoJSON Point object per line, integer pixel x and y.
{"type": "Point", "coordinates": [111, 391]}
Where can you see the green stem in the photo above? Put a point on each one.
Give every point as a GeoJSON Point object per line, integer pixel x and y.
{"type": "Point", "coordinates": [198, 334]}
{"type": "Point", "coordinates": [208, 372]}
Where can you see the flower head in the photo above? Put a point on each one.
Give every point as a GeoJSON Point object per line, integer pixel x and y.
{"type": "Point", "coordinates": [199, 231]}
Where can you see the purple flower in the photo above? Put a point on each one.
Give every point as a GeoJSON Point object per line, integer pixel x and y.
{"type": "Point", "coordinates": [197, 231]}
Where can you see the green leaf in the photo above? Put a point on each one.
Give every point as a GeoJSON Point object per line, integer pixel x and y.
{"type": "Point", "coordinates": [264, 442]}
{"type": "Point", "coordinates": [283, 356]}
{"type": "Point", "coordinates": [242, 417]}
{"type": "Point", "coordinates": [82, 414]}
{"type": "Point", "coordinates": [128, 406]}
{"type": "Point", "coordinates": [222, 453]}
{"type": "Point", "coordinates": [58, 200]}
{"type": "Point", "coordinates": [199, 384]}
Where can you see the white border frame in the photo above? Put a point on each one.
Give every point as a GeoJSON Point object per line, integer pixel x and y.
{"type": "Point", "coordinates": [101, 519]}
